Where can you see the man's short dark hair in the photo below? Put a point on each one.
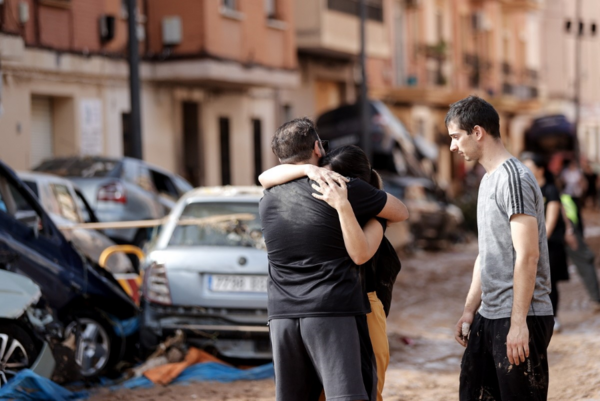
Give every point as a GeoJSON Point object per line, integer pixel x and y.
{"type": "Point", "coordinates": [294, 141]}
{"type": "Point", "coordinates": [472, 111]}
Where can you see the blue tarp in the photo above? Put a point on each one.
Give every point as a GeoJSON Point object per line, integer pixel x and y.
{"type": "Point", "coordinates": [27, 386]}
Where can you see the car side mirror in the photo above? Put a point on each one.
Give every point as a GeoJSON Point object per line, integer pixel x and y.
{"type": "Point", "coordinates": [30, 219]}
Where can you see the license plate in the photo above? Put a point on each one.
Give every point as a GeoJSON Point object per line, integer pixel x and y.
{"type": "Point", "coordinates": [232, 283]}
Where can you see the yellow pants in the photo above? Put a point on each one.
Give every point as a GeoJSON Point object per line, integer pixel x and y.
{"type": "Point", "coordinates": [378, 333]}
{"type": "Point", "coordinates": [379, 340]}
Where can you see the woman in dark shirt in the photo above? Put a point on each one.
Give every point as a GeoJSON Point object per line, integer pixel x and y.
{"type": "Point", "coordinates": [556, 227]}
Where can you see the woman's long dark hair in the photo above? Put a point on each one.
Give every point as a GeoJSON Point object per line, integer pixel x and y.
{"type": "Point", "coordinates": [540, 162]}
{"type": "Point", "coordinates": [351, 161]}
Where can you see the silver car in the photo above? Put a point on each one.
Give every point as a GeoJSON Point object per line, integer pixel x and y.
{"type": "Point", "coordinates": [206, 274]}
{"type": "Point", "coordinates": [66, 207]}
{"type": "Point", "coordinates": [121, 190]}
{"type": "Point", "coordinates": [22, 328]}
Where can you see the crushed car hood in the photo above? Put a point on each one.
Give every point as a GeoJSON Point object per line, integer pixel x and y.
{"type": "Point", "coordinates": [16, 294]}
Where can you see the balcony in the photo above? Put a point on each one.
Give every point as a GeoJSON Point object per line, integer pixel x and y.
{"type": "Point", "coordinates": [524, 5]}
{"type": "Point", "coordinates": [332, 28]}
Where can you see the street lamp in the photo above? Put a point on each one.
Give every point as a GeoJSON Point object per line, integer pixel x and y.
{"type": "Point", "coordinates": [134, 81]}
{"type": "Point", "coordinates": [364, 103]}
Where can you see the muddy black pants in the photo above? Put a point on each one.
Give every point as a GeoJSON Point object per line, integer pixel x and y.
{"type": "Point", "coordinates": [486, 373]}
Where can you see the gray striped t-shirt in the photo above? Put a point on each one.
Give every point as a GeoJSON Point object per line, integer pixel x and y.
{"type": "Point", "coordinates": [510, 189]}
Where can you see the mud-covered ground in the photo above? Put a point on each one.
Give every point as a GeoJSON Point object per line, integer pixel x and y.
{"type": "Point", "coordinates": [425, 358]}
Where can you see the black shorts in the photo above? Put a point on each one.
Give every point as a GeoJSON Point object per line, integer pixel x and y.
{"type": "Point", "coordinates": [486, 373]}
{"type": "Point", "coordinates": [312, 354]}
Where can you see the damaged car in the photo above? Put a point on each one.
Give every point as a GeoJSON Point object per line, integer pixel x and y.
{"type": "Point", "coordinates": [206, 274]}
{"type": "Point", "coordinates": [86, 299]}
{"type": "Point", "coordinates": [26, 326]}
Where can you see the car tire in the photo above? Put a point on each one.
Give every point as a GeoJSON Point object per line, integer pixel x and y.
{"type": "Point", "coordinates": [97, 347]}
{"type": "Point", "coordinates": [19, 347]}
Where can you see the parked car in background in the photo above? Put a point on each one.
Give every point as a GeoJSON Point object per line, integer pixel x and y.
{"type": "Point", "coordinates": [86, 298]}
{"type": "Point", "coordinates": [121, 190]}
{"type": "Point", "coordinates": [24, 327]}
{"type": "Point", "coordinates": [67, 207]}
{"type": "Point", "coordinates": [209, 278]}
{"type": "Point", "coordinates": [433, 219]}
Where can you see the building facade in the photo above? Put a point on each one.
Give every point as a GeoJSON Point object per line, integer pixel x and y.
{"type": "Point", "coordinates": [559, 73]}
{"type": "Point", "coordinates": [445, 50]}
{"type": "Point", "coordinates": [212, 74]}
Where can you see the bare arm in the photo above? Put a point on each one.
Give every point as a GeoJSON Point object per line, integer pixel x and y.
{"type": "Point", "coordinates": [552, 216]}
{"type": "Point", "coordinates": [394, 210]}
{"type": "Point", "coordinates": [288, 172]}
{"type": "Point", "coordinates": [471, 305]}
{"type": "Point", "coordinates": [361, 243]}
{"type": "Point", "coordinates": [524, 231]}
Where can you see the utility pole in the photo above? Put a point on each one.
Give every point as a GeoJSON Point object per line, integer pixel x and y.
{"type": "Point", "coordinates": [134, 82]}
{"type": "Point", "coordinates": [577, 98]}
{"type": "Point", "coordinates": [364, 102]}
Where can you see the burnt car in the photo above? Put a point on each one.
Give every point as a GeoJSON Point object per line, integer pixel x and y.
{"type": "Point", "coordinates": [85, 298]}
{"type": "Point", "coordinates": [206, 274]}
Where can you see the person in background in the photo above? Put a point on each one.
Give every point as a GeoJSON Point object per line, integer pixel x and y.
{"type": "Point", "coordinates": [556, 229]}
{"type": "Point", "coordinates": [574, 183]}
{"type": "Point", "coordinates": [581, 255]}
{"type": "Point", "coordinates": [591, 192]}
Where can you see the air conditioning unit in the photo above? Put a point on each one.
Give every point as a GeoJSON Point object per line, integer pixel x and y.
{"type": "Point", "coordinates": [107, 28]}
{"type": "Point", "coordinates": [171, 30]}
{"type": "Point", "coordinates": [23, 12]}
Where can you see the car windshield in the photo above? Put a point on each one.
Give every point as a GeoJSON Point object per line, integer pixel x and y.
{"type": "Point", "coordinates": [219, 224]}
{"type": "Point", "coordinates": [85, 168]}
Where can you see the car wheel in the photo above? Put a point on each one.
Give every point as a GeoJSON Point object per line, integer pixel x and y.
{"type": "Point", "coordinates": [17, 350]}
{"type": "Point", "coordinates": [95, 343]}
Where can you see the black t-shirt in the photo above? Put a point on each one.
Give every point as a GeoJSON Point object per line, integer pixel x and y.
{"type": "Point", "coordinates": [551, 194]}
{"type": "Point", "coordinates": [310, 272]}
{"type": "Point", "coordinates": [371, 267]}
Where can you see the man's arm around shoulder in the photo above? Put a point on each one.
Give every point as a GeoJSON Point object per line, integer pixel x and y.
{"type": "Point", "coordinates": [394, 210]}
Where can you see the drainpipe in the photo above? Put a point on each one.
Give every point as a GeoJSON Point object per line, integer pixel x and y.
{"type": "Point", "coordinates": [134, 81]}
{"type": "Point", "coordinates": [364, 105]}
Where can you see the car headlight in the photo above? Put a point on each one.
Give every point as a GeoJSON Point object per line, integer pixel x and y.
{"type": "Point", "coordinates": [156, 284]}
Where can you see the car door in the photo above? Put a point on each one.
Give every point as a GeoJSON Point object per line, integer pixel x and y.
{"type": "Point", "coordinates": [31, 245]}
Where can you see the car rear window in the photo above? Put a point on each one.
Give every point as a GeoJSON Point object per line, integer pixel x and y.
{"type": "Point", "coordinates": [219, 224]}
{"type": "Point", "coordinates": [84, 168]}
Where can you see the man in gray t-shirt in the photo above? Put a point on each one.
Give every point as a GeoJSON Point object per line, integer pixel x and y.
{"type": "Point", "coordinates": [507, 321]}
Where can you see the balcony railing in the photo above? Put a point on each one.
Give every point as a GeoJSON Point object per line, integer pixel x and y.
{"type": "Point", "coordinates": [374, 8]}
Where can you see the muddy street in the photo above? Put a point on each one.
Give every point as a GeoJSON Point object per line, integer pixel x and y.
{"type": "Point", "coordinates": [425, 358]}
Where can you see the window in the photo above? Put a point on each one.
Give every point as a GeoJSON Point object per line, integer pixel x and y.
{"type": "Point", "coordinates": [164, 185]}
{"type": "Point", "coordinates": [257, 133]}
{"type": "Point", "coordinates": [14, 202]}
{"type": "Point", "coordinates": [287, 112]}
{"type": "Point", "coordinates": [67, 206]}
{"type": "Point", "coordinates": [127, 134]}
{"type": "Point", "coordinates": [240, 225]}
{"type": "Point", "coordinates": [225, 151]}
{"type": "Point", "coordinates": [230, 4]}
{"type": "Point", "coordinates": [271, 9]}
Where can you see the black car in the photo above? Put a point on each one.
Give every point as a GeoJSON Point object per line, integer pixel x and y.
{"type": "Point", "coordinates": [85, 297]}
